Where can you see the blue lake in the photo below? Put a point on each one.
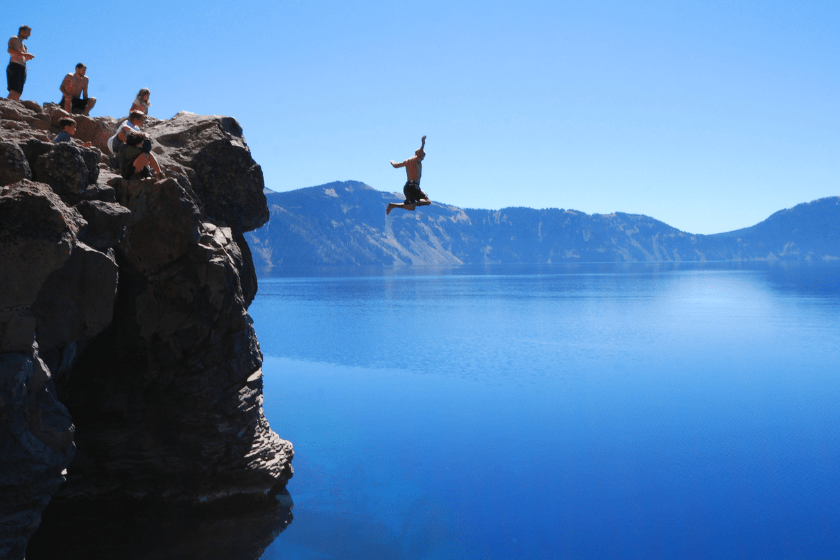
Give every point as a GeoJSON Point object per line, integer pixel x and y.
{"type": "Point", "coordinates": [582, 412]}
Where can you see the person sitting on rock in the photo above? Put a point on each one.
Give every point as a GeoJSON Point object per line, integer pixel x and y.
{"type": "Point", "coordinates": [141, 102]}
{"type": "Point", "coordinates": [135, 120]}
{"type": "Point", "coordinates": [138, 159]}
{"type": "Point", "coordinates": [68, 130]}
{"type": "Point", "coordinates": [74, 88]}
{"type": "Point", "coordinates": [414, 169]}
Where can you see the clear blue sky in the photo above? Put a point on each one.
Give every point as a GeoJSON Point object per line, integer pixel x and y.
{"type": "Point", "coordinates": [708, 115]}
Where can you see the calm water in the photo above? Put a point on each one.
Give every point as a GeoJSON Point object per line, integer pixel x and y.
{"type": "Point", "coordinates": [612, 411]}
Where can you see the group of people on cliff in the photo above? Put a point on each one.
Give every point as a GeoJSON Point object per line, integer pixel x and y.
{"type": "Point", "coordinates": [132, 148]}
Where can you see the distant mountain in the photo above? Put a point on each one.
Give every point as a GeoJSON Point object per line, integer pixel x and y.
{"type": "Point", "coordinates": [344, 223]}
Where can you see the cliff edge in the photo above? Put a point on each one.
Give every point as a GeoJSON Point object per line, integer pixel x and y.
{"type": "Point", "coordinates": [130, 372]}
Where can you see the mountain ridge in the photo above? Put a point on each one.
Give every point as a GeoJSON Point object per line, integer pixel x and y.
{"type": "Point", "coordinates": [344, 223]}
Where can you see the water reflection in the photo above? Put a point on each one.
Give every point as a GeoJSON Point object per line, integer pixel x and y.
{"type": "Point", "coordinates": [236, 529]}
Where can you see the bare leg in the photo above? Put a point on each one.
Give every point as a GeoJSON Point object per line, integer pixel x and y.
{"type": "Point", "coordinates": [90, 103]}
{"type": "Point", "coordinates": [147, 159]}
{"type": "Point", "coordinates": [14, 95]}
{"type": "Point", "coordinates": [403, 205]}
{"type": "Point", "coordinates": [154, 162]}
{"type": "Point", "coordinates": [68, 104]}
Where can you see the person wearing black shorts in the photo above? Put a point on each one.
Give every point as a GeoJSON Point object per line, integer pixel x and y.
{"type": "Point", "coordinates": [74, 92]}
{"type": "Point", "coordinates": [414, 169]}
{"type": "Point", "coordinates": [16, 70]}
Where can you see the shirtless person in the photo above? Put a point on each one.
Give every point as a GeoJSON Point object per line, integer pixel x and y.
{"type": "Point", "coordinates": [413, 195]}
{"type": "Point", "coordinates": [74, 88]}
{"type": "Point", "coordinates": [16, 70]}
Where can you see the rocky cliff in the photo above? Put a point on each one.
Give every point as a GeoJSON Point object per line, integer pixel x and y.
{"type": "Point", "coordinates": [344, 223]}
{"type": "Point", "coordinates": [130, 374]}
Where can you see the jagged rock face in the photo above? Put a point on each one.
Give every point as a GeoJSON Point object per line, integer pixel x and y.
{"type": "Point", "coordinates": [106, 220]}
{"type": "Point", "coordinates": [165, 221]}
{"type": "Point", "coordinates": [38, 232]}
{"type": "Point", "coordinates": [130, 299]}
{"type": "Point", "coordinates": [224, 176]}
{"type": "Point", "coordinates": [76, 301]}
{"type": "Point", "coordinates": [177, 373]}
{"type": "Point", "coordinates": [36, 445]}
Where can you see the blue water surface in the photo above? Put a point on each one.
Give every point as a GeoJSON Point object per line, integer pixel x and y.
{"type": "Point", "coordinates": [583, 411]}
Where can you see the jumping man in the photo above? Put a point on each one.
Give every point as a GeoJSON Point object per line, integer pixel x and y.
{"type": "Point", "coordinates": [413, 195]}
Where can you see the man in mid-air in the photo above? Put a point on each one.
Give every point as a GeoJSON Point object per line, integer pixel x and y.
{"type": "Point", "coordinates": [413, 195]}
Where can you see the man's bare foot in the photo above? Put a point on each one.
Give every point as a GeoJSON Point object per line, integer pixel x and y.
{"type": "Point", "coordinates": [391, 206]}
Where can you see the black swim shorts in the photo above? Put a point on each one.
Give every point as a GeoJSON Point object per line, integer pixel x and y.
{"type": "Point", "coordinates": [15, 76]}
{"type": "Point", "coordinates": [412, 192]}
{"type": "Point", "coordinates": [79, 105]}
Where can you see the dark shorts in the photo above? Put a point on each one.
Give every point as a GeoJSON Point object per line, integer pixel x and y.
{"type": "Point", "coordinates": [79, 105]}
{"type": "Point", "coordinates": [412, 192]}
{"type": "Point", "coordinates": [15, 77]}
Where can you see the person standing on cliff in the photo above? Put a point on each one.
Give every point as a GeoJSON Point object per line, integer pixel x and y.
{"type": "Point", "coordinates": [16, 70]}
{"type": "Point", "coordinates": [414, 169]}
{"type": "Point", "coordinates": [74, 88]}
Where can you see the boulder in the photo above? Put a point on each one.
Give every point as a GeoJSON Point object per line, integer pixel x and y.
{"type": "Point", "coordinates": [106, 222]}
{"type": "Point", "coordinates": [38, 232]}
{"type": "Point", "coordinates": [225, 177]}
{"type": "Point", "coordinates": [164, 223]}
{"type": "Point", "coordinates": [13, 164]}
{"type": "Point", "coordinates": [76, 301]}
{"type": "Point", "coordinates": [62, 166]}
{"type": "Point", "coordinates": [22, 120]}
{"type": "Point", "coordinates": [101, 192]}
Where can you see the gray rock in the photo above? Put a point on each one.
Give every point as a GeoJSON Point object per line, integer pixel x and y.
{"type": "Point", "coordinates": [63, 168]}
{"type": "Point", "coordinates": [106, 222]}
{"type": "Point", "coordinates": [76, 301]}
{"type": "Point", "coordinates": [225, 177]}
{"type": "Point", "coordinates": [164, 223]}
{"type": "Point", "coordinates": [101, 192]}
{"type": "Point", "coordinates": [13, 164]}
{"type": "Point", "coordinates": [37, 235]}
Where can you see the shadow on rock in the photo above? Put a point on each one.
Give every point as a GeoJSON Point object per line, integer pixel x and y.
{"type": "Point", "coordinates": [235, 529]}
